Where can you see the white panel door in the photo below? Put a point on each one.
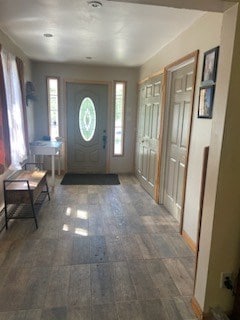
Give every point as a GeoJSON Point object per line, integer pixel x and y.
{"type": "Point", "coordinates": [178, 139]}
{"type": "Point", "coordinates": [87, 106]}
{"type": "Point", "coordinates": [148, 132]}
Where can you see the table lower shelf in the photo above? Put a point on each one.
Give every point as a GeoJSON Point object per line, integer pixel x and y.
{"type": "Point", "coordinates": [26, 189]}
{"type": "Point", "coordinates": [25, 211]}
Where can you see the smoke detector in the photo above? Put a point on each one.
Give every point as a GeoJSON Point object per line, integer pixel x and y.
{"type": "Point", "coordinates": [48, 35]}
{"type": "Point", "coordinates": [95, 4]}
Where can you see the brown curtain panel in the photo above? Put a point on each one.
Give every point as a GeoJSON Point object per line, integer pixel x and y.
{"type": "Point", "coordinates": [20, 68]}
{"type": "Point", "coordinates": [5, 154]}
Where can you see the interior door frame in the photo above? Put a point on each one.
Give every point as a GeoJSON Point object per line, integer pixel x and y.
{"type": "Point", "coordinates": [164, 126]}
{"type": "Point", "coordinates": [109, 115]}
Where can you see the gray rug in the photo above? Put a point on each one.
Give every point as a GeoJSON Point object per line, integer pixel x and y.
{"type": "Point", "coordinates": [90, 179]}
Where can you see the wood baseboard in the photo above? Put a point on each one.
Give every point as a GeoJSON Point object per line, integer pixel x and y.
{"type": "Point", "coordinates": [196, 308]}
{"type": "Point", "coordinates": [189, 241]}
{"type": "Point", "coordinates": [199, 313]}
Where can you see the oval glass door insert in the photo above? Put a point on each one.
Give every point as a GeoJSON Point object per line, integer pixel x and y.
{"type": "Point", "coordinates": [87, 119]}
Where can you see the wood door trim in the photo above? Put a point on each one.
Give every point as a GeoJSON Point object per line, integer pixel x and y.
{"type": "Point", "coordinates": [187, 57]}
{"type": "Point", "coordinates": [151, 76]}
{"type": "Point", "coordinates": [160, 145]}
{"type": "Point", "coordinates": [136, 130]}
{"type": "Point", "coordinates": [143, 80]}
{"type": "Point", "coordinates": [109, 113]}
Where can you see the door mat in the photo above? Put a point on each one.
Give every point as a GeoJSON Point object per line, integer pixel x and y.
{"type": "Point", "coordinates": [90, 179]}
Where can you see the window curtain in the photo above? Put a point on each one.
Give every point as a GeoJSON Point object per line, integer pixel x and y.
{"type": "Point", "coordinates": [20, 68]}
{"type": "Point", "coordinates": [5, 159]}
{"type": "Point", "coordinates": [14, 110]}
{"type": "Point", "coordinates": [2, 147]}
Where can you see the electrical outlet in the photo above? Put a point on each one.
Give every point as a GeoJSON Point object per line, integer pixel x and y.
{"type": "Point", "coordinates": [224, 277]}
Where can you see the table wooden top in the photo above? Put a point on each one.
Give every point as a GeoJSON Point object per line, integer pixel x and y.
{"type": "Point", "coordinates": [33, 176]}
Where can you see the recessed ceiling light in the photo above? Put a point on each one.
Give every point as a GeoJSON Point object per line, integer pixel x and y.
{"type": "Point", "coordinates": [95, 4]}
{"type": "Point", "coordinates": [48, 35]}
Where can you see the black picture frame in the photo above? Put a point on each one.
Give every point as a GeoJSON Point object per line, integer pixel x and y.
{"type": "Point", "coordinates": [205, 104]}
{"type": "Point", "coordinates": [210, 62]}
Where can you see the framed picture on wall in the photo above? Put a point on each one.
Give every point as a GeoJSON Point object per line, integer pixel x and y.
{"type": "Point", "coordinates": [210, 62]}
{"type": "Point", "coordinates": [205, 104]}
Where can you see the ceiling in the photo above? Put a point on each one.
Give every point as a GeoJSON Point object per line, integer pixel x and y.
{"type": "Point", "coordinates": [121, 34]}
{"type": "Point", "coordinates": [205, 5]}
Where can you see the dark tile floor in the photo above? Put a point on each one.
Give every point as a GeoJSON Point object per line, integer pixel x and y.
{"type": "Point", "coordinates": [100, 253]}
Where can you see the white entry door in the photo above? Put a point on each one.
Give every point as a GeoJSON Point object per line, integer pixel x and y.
{"type": "Point", "coordinates": [147, 141]}
{"type": "Point", "coordinates": [87, 106]}
{"type": "Point", "coordinates": [178, 138]}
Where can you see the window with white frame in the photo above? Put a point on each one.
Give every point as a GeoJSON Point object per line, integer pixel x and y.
{"type": "Point", "coordinates": [119, 111]}
{"type": "Point", "coordinates": [53, 106]}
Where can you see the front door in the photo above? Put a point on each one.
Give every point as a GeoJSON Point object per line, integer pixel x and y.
{"type": "Point", "coordinates": [87, 108]}
{"type": "Point", "coordinates": [178, 138]}
{"type": "Point", "coordinates": [147, 143]}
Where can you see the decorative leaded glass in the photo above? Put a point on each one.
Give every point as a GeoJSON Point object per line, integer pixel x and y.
{"type": "Point", "coordinates": [87, 119]}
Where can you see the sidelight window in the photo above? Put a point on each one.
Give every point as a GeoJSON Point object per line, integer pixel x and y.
{"type": "Point", "coordinates": [119, 99]}
{"type": "Point", "coordinates": [53, 106]}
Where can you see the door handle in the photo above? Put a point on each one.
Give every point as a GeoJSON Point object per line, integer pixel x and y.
{"type": "Point", "coordinates": [104, 139]}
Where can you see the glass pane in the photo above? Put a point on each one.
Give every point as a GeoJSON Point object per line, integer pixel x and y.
{"type": "Point", "coordinates": [118, 141]}
{"type": "Point", "coordinates": [119, 117]}
{"type": "Point", "coordinates": [87, 119]}
{"type": "Point", "coordinates": [119, 89]}
{"type": "Point", "coordinates": [53, 107]}
{"type": "Point", "coordinates": [53, 84]}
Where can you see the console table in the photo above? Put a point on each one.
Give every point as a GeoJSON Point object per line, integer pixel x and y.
{"type": "Point", "coordinates": [47, 148]}
{"type": "Point", "coordinates": [24, 188]}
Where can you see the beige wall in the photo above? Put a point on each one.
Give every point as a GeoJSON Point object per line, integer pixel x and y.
{"type": "Point", "coordinates": [220, 236]}
{"type": "Point", "coordinates": [220, 233]}
{"type": "Point", "coordinates": [88, 73]}
{"type": "Point", "coordinates": [202, 35]}
{"type": "Point", "coordinates": [11, 47]}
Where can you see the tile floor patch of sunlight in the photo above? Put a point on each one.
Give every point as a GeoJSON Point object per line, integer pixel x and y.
{"type": "Point", "coordinates": [81, 232]}
{"type": "Point", "coordinates": [65, 227]}
{"type": "Point", "coordinates": [68, 211]}
{"type": "Point", "coordinates": [82, 214]}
